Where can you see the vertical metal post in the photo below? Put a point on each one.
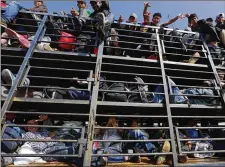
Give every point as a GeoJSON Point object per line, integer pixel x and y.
{"type": "Point", "coordinates": [175, 162]}
{"type": "Point", "coordinates": [20, 75]}
{"type": "Point", "coordinates": [178, 141]}
{"type": "Point", "coordinates": [212, 65]}
{"type": "Point", "coordinates": [81, 145]}
{"type": "Point", "coordinates": [93, 108]}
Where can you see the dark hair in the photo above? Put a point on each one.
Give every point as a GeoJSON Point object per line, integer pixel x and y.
{"type": "Point", "coordinates": [82, 1]}
{"type": "Point", "coordinates": [157, 14]}
{"type": "Point", "coordinates": [191, 17]}
{"type": "Point", "coordinates": [209, 19]}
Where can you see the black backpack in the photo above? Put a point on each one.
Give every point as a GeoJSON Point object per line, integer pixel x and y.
{"type": "Point", "coordinates": [114, 96]}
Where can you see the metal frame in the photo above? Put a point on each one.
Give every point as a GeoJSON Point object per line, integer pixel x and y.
{"type": "Point", "coordinates": [89, 139]}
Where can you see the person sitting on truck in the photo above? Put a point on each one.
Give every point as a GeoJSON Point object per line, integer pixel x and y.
{"type": "Point", "coordinates": [47, 146]}
{"type": "Point", "coordinates": [81, 8]}
{"type": "Point", "coordinates": [102, 15]}
{"type": "Point", "coordinates": [148, 147]}
{"type": "Point", "coordinates": [112, 147]}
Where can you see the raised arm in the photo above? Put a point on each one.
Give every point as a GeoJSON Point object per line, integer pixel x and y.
{"type": "Point", "coordinates": [180, 16]}
{"type": "Point", "coordinates": [146, 5]}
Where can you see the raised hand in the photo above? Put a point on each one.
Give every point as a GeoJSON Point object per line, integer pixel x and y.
{"type": "Point", "coordinates": [121, 18]}
{"type": "Point", "coordinates": [74, 12]}
{"type": "Point", "coordinates": [146, 4]}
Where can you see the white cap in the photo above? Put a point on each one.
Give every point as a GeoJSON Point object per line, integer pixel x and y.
{"type": "Point", "coordinates": [220, 15]}
{"type": "Point", "coordinates": [133, 15]}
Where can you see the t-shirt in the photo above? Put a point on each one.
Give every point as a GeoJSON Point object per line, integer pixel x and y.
{"type": "Point", "coordinates": [87, 11]}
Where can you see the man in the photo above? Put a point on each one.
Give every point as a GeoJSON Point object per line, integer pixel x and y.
{"type": "Point", "coordinates": [102, 15]}
{"type": "Point", "coordinates": [220, 21]}
{"type": "Point", "coordinates": [81, 6]}
{"type": "Point", "coordinates": [39, 7]}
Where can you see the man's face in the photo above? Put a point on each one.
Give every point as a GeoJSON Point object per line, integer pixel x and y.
{"type": "Point", "coordinates": [134, 123]}
{"type": "Point", "coordinates": [38, 3]}
{"type": "Point", "coordinates": [132, 19]}
{"type": "Point", "coordinates": [81, 4]}
{"type": "Point", "coordinates": [220, 19]}
{"type": "Point", "coordinates": [95, 5]}
{"type": "Point", "coordinates": [156, 20]}
{"type": "Point", "coordinates": [32, 129]}
{"type": "Point", "coordinates": [194, 21]}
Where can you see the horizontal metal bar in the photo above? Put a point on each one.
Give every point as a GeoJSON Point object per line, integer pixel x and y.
{"type": "Point", "coordinates": [135, 74]}
{"type": "Point", "coordinates": [183, 55]}
{"type": "Point", "coordinates": [188, 86]}
{"type": "Point", "coordinates": [201, 117]}
{"type": "Point", "coordinates": [136, 37]}
{"type": "Point", "coordinates": [194, 71]}
{"type": "Point", "coordinates": [42, 126]}
{"type": "Point", "coordinates": [180, 42]}
{"type": "Point", "coordinates": [192, 95]}
{"type": "Point", "coordinates": [127, 104]}
{"type": "Point", "coordinates": [41, 140]}
{"type": "Point", "coordinates": [51, 101]}
{"type": "Point", "coordinates": [56, 68]}
{"type": "Point", "coordinates": [52, 87]}
{"type": "Point", "coordinates": [135, 128]}
{"type": "Point", "coordinates": [131, 65]}
{"type": "Point", "coordinates": [75, 44]}
{"type": "Point", "coordinates": [131, 116]}
{"type": "Point", "coordinates": [129, 58]}
{"type": "Point", "coordinates": [138, 50]}
{"type": "Point", "coordinates": [126, 82]}
{"type": "Point", "coordinates": [61, 60]}
{"type": "Point", "coordinates": [136, 43]}
{"type": "Point", "coordinates": [128, 92]}
{"type": "Point", "coordinates": [202, 139]}
{"type": "Point", "coordinates": [150, 140]}
{"type": "Point", "coordinates": [201, 127]}
{"type": "Point", "coordinates": [211, 151]}
{"type": "Point", "coordinates": [186, 64]}
{"type": "Point", "coordinates": [38, 155]}
{"type": "Point", "coordinates": [122, 154]}
{"type": "Point", "coordinates": [48, 77]}
{"type": "Point", "coordinates": [46, 113]}
{"type": "Point", "coordinates": [194, 50]}
{"type": "Point", "coordinates": [199, 79]}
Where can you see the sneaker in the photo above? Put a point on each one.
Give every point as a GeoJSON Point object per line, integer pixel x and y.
{"type": "Point", "coordinates": [8, 76]}
{"type": "Point", "coordinates": [22, 40]}
{"type": "Point", "coordinates": [162, 158]}
{"type": "Point", "coordinates": [193, 59]}
{"type": "Point", "coordinates": [47, 47]}
{"type": "Point", "coordinates": [4, 92]}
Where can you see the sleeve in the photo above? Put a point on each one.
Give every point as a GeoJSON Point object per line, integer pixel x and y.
{"type": "Point", "coordinates": [35, 145]}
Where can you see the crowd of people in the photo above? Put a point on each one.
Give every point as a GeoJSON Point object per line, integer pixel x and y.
{"type": "Point", "coordinates": [120, 40]}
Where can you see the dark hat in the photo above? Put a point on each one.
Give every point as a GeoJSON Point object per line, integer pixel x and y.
{"type": "Point", "coordinates": [209, 19]}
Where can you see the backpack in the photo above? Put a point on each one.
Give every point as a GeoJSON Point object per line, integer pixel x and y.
{"type": "Point", "coordinates": [142, 89]}
{"type": "Point", "coordinates": [11, 133]}
{"type": "Point", "coordinates": [67, 38]}
{"type": "Point", "coordinates": [67, 94]}
{"type": "Point", "coordinates": [116, 96]}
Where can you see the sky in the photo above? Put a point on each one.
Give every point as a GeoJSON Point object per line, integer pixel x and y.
{"type": "Point", "coordinates": [168, 9]}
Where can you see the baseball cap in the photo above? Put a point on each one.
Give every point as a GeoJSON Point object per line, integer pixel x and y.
{"type": "Point", "coordinates": [133, 15]}
{"type": "Point", "coordinates": [220, 15]}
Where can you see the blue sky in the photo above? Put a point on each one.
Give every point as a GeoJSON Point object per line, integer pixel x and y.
{"type": "Point", "coordinates": [167, 8]}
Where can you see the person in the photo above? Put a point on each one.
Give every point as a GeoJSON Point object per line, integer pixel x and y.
{"type": "Point", "coordinates": [81, 6]}
{"type": "Point", "coordinates": [220, 21]}
{"type": "Point", "coordinates": [201, 26]}
{"type": "Point", "coordinates": [103, 18]}
{"type": "Point", "coordinates": [195, 145]}
{"type": "Point", "coordinates": [39, 7]}
{"type": "Point", "coordinates": [209, 20]}
{"type": "Point", "coordinates": [113, 147]}
{"type": "Point", "coordinates": [46, 147]}
{"type": "Point", "coordinates": [140, 134]}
